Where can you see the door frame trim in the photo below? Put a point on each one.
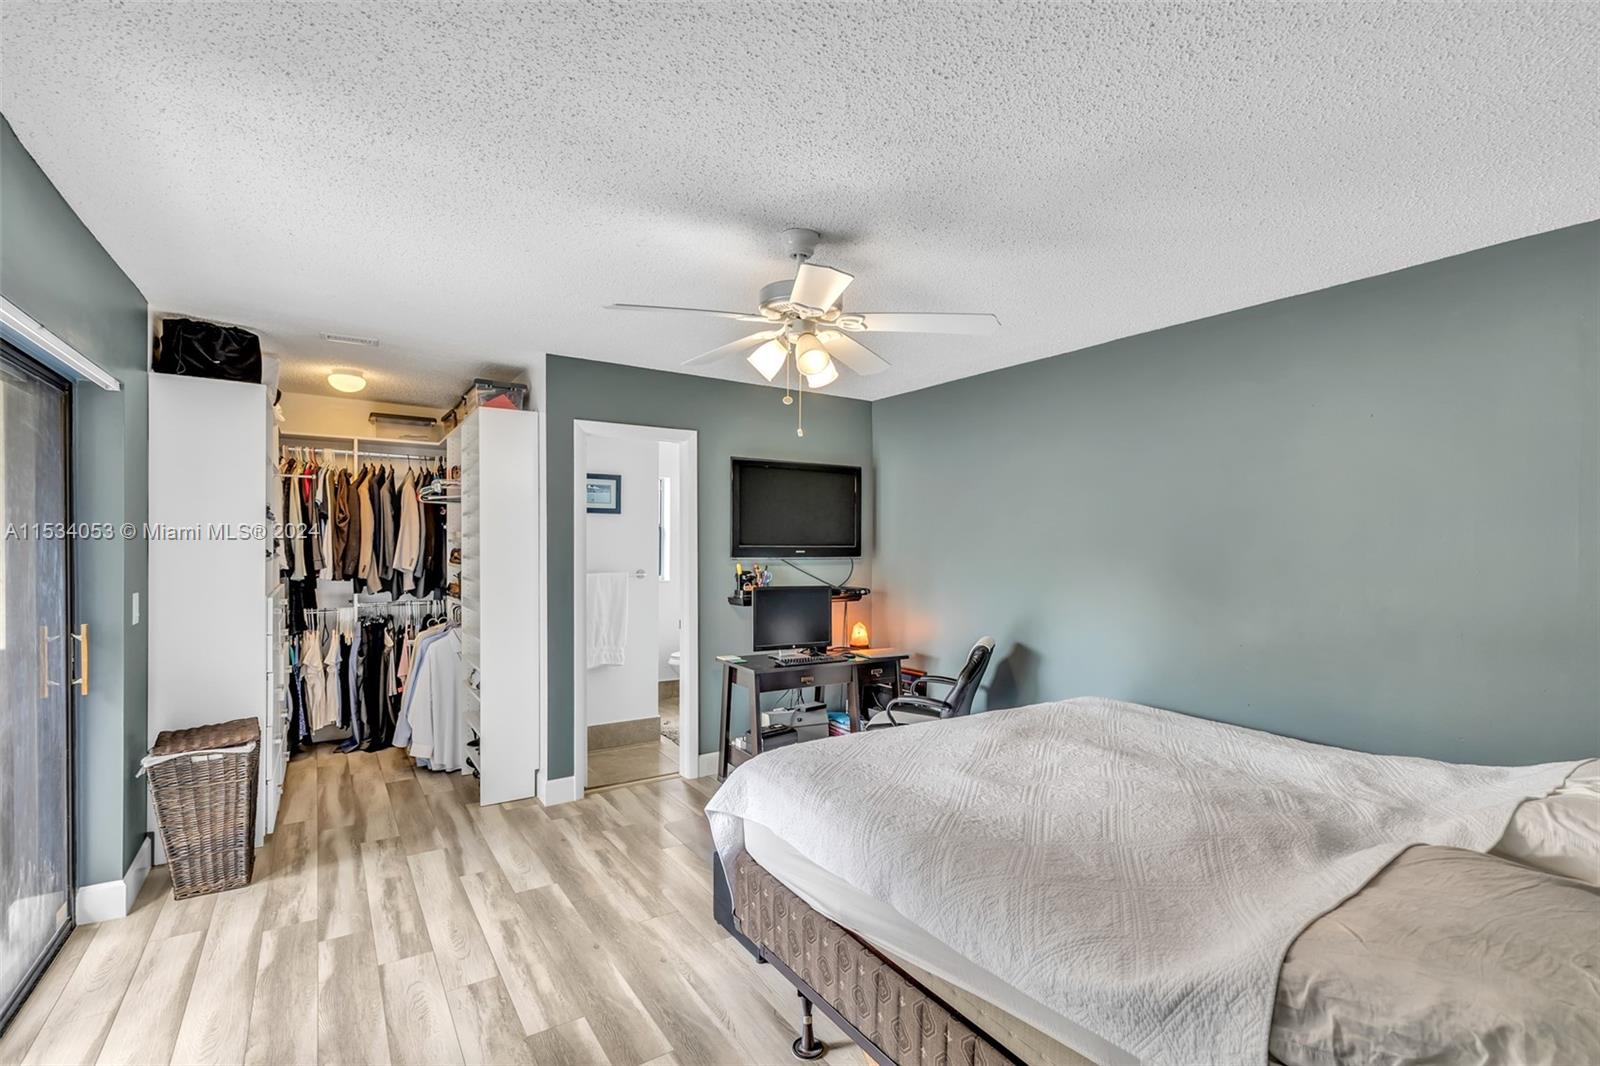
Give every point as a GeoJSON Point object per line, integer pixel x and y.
{"type": "Point", "coordinates": [688, 444]}
{"type": "Point", "coordinates": [15, 356]}
{"type": "Point", "coordinates": [50, 351]}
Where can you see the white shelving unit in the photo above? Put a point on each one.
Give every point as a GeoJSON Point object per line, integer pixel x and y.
{"type": "Point", "coordinates": [465, 444]}
{"type": "Point", "coordinates": [500, 623]}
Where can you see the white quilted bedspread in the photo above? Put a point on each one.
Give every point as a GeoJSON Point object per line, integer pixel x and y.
{"type": "Point", "coordinates": [1138, 871]}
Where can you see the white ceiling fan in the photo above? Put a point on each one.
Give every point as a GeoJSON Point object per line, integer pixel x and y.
{"type": "Point", "coordinates": [806, 322]}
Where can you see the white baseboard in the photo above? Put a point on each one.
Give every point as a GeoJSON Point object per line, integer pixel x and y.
{"type": "Point", "coordinates": [559, 790]}
{"type": "Point", "coordinates": [708, 764]}
{"type": "Point", "coordinates": [114, 899]}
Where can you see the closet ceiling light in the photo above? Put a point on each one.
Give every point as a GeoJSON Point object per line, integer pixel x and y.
{"type": "Point", "coordinates": [347, 381]}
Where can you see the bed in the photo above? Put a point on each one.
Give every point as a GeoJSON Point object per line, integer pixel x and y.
{"type": "Point", "coordinates": [1098, 881]}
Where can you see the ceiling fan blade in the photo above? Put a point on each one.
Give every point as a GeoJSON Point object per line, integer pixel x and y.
{"type": "Point", "coordinates": [818, 286]}
{"type": "Point", "coordinates": [852, 353]}
{"type": "Point", "coordinates": [738, 347]}
{"type": "Point", "coordinates": [737, 316]}
{"type": "Point", "coordinates": [931, 322]}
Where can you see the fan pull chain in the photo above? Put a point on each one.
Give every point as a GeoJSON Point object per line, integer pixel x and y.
{"type": "Point", "coordinates": [788, 377]}
{"type": "Point", "coordinates": [800, 409]}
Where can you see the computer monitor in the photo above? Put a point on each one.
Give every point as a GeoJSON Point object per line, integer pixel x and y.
{"type": "Point", "coordinates": [791, 616]}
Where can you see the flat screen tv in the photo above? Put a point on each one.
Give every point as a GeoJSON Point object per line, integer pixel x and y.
{"type": "Point", "coordinates": [796, 509]}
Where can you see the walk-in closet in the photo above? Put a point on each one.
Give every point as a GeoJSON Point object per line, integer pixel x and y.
{"type": "Point", "coordinates": [357, 593]}
{"type": "Point", "coordinates": [371, 559]}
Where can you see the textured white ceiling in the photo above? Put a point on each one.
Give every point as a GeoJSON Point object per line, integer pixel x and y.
{"type": "Point", "coordinates": [470, 183]}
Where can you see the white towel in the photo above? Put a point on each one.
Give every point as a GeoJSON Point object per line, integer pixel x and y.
{"type": "Point", "coordinates": [608, 618]}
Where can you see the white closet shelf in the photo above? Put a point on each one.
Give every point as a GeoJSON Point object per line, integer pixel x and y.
{"type": "Point", "coordinates": [335, 440]}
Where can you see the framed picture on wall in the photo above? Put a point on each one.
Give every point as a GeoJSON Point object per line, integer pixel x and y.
{"type": "Point", "coordinates": [602, 493]}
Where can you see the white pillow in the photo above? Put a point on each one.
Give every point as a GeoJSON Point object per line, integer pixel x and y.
{"type": "Point", "coordinates": [1561, 832]}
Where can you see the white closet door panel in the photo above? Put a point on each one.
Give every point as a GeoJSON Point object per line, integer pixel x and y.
{"type": "Point", "coordinates": [507, 623]}
{"type": "Point", "coordinates": [208, 449]}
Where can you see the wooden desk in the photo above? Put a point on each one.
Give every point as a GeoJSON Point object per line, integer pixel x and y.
{"type": "Point", "coordinates": [759, 673]}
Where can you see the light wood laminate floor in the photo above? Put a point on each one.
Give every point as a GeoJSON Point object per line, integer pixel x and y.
{"type": "Point", "coordinates": [393, 920]}
{"type": "Point", "coordinates": [632, 762]}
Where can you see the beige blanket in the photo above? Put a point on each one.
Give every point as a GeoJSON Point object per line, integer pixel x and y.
{"type": "Point", "coordinates": [1451, 958]}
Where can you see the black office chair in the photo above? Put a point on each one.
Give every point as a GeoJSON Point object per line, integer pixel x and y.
{"type": "Point", "coordinates": [921, 707]}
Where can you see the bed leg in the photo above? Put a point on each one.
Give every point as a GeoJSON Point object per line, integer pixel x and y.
{"type": "Point", "coordinates": [806, 1045]}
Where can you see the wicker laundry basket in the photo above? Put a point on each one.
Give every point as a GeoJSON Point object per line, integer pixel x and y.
{"type": "Point", "coordinates": [204, 784]}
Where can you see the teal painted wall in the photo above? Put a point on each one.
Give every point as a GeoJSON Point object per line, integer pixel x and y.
{"type": "Point", "coordinates": [1365, 516]}
{"type": "Point", "coordinates": [52, 268]}
{"type": "Point", "coordinates": [732, 419]}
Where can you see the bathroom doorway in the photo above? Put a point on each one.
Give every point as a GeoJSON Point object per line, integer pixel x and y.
{"type": "Point", "coordinates": [635, 549]}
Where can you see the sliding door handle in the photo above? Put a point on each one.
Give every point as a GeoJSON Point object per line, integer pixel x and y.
{"type": "Point", "coordinates": [45, 684]}
{"type": "Point", "coordinates": [82, 680]}
{"type": "Point", "coordinates": [44, 663]}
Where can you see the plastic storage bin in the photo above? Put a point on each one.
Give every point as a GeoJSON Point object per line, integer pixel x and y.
{"type": "Point", "coordinates": [486, 393]}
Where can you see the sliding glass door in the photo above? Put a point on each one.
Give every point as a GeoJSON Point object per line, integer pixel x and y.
{"type": "Point", "coordinates": [35, 703]}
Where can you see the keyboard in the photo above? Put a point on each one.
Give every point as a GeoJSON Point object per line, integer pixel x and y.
{"type": "Point", "coordinates": [805, 659]}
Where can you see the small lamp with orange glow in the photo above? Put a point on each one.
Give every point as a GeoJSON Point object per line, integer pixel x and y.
{"type": "Point", "coordinates": [859, 637]}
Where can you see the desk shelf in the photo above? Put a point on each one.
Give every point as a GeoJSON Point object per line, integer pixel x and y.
{"type": "Point", "coordinates": [758, 672]}
{"type": "Point", "coordinates": [849, 595]}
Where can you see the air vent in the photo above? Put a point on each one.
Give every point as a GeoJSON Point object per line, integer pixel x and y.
{"type": "Point", "coordinates": [345, 338]}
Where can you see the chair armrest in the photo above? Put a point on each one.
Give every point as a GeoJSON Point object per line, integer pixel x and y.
{"type": "Point", "coordinates": [920, 685]}
{"type": "Point", "coordinates": [885, 718]}
{"type": "Point", "coordinates": [919, 703]}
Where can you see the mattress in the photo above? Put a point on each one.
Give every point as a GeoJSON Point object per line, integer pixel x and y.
{"type": "Point", "coordinates": [896, 937]}
{"type": "Point", "coordinates": [1138, 872]}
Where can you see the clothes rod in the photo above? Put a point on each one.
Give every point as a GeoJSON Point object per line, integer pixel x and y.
{"type": "Point", "coordinates": [405, 605]}
{"type": "Point", "coordinates": [363, 452]}
{"type": "Point", "coordinates": [289, 438]}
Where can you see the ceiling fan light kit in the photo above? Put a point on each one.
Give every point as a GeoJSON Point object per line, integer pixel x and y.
{"type": "Point", "coordinates": [810, 357]}
{"type": "Point", "coordinates": [826, 376]}
{"type": "Point", "coordinates": [769, 358]}
{"type": "Point", "coordinates": [806, 322]}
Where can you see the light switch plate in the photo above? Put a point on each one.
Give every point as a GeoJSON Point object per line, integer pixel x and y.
{"type": "Point", "coordinates": [135, 608]}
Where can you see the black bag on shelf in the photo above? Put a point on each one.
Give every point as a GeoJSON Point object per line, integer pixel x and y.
{"type": "Point", "coordinates": [207, 350]}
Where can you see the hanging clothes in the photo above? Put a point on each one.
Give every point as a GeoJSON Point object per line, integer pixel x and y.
{"type": "Point", "coordinates": [419, 571]}
{"type": "Point", "coordinates": [388, 521]}
{"type": "Point", "coordinates": [312, 533]}
{"type": "Point", "coordinates": [431, 566]}
{"type": "Point", "coordinates": [408, 534]}
{"type": "Point", "coordinates": [346, 527]}
{"type": "Point", "coordinates": [350, 669]}
{"type": "Point", "coordinates": [393, 643]}
{"type": "Point", "coordinates": [305, 487]}
{"type": "Point", "coordinates": [363, 527]}
{"type": "Point", "coordinates": [377, 726]}
{"type": "Point", "coordinates": [326, 479]}
{"type": "Point", "coordinates": [301, 598]}
{"type": "Point", "coordinates": [314, 680]}
{"type": "Point", "coordinates": [294, 700]}
{"type": "Point", "coordinates": [431, 720]}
